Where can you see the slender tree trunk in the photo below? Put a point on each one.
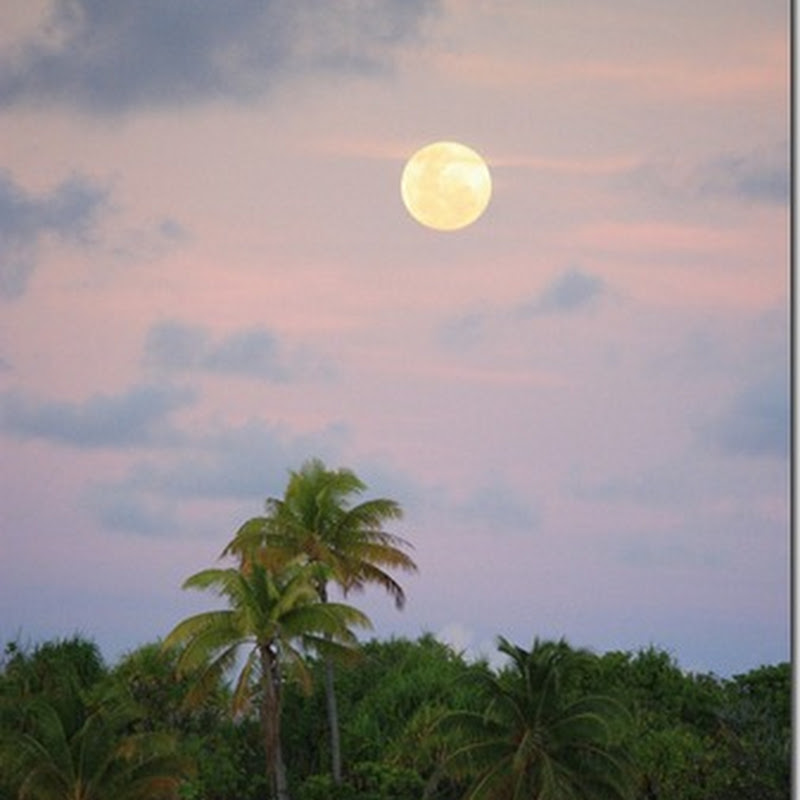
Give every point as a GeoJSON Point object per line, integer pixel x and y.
{"type": "Point", "coordinates": [333, 711]}
{"type": "Point", "coordinates": [271, 724]}
{"type": "Point", "coordinates": [333, 722]}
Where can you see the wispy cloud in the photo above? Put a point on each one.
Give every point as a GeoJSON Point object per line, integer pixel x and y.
{"type": "Point", "coordinates": [118, 508]}
{"type": "Point", "coordinates": [756, 176]}
{"type": "Point", "coordinates": [570, 291]}
{"type": "Point", "coordinates": [676, 553]}
{"type": "Point", "coordinates": [759, 176]}
{"type": "Point", "coordinates": [253, 352]}
{"type": "Point", "coordinates": [498, 508]}
{"type": "Point", "coordinates": [756, 420]}
{"type": "Point", "coordinates": [107, 57]}
{"type": "Point", "coordinates": [240, 463]}
{"type": "Point", "coordinates": [464, 330]}
{"type": "Point", "coordinates": [69, 212]}
{"type": "Point", "coordinates": [137, 417]}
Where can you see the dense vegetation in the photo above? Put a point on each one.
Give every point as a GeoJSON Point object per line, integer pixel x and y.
{"type": "Point", "coordinates": [240, 703]}
{"type": "Point", "coordinates": [64, 714]}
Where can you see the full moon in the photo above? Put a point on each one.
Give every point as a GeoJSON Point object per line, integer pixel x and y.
{"type": "Point", "coordinates": [446, 186]}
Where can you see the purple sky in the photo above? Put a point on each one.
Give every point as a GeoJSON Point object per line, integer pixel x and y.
{"type": "Point", "coordinates": [207, 276]}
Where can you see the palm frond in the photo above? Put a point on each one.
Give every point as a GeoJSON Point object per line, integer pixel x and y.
{"type": "Point", "coordinates": [213, 578]}
{"type": "Point", "coordinates": [192, 626]}
{"type": "Point", "coordinates": [250, 535]}
{"type": "Point", "coordinates": [536, 738]}
{"type": "Point", "coordinates": [296, 668]}
{"type": "Point", "coordinates": [371, 516]}
{"type": "Point", "coordinates": [209, 672]}
{"type": "Point", "coordinates": [243, 689]}
{"type": "Point", "coordinates": [381, 554]}
{"type": "Point", "coordinates": [330, 619]}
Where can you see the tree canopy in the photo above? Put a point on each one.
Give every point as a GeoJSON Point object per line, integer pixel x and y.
{"type": "Point", "coordinates": [237, 702]}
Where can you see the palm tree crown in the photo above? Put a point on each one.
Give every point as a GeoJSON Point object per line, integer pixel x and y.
{"type": "Point", "coordinates": [538, 738]}
{"type": "Point", "coordinates": [316, 519]}
{"type": "Point", "coordinates": [70, 748]}
{"type": "Point", "coordinates": [274, 616]}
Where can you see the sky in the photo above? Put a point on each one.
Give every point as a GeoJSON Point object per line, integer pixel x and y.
{"type": "Point", "coordinates": [207, 277]}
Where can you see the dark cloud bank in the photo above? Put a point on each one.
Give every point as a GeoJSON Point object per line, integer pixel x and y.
{"type": "Point", "coordinates": [107, 56]}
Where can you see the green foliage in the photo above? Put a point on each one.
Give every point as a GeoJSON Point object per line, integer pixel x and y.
{"type": "Point", "coordinates": [228, 754]}
{"type": "Point", "coordinates": [367, 780]}
{"type": "Point", "coordinates": [57, 674]}
{"type": "Point", "coordinates": [752, 753]}
{"type": "Point", "coordinates": [408, 685]}
{"type": "Point", "coordinates": [150, 672]}
{"type": "Point", "coordinates": [274, 616]}
{"type": "Point", "coordinates": [52, 667]}
{"type": "Point", "coordinates": [230, 762]}
{"type": "Point", "coordinates": [318, 520]}
{"type": "Point", "coordinates": [273, 613]}
{"type": "Point", "coordinates": [692, 737]}
{"type": "Point", "coordinates": [417, 720]}
{"type": "Point", "coordinates": [390, 700]}
{"type": "Point", "coordinates": [698, 737]}
{"type": "Point", "coordinates": [539, 736]}
{"type": "Point", "coordinates": [318, 524]}
{"type": "Point", "coordinates": [75, 743]}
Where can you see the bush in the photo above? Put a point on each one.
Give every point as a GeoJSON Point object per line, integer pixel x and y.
{"type": "Point", "coordinates": [367, 780]}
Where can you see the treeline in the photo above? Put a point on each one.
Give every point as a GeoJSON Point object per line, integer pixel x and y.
{"type": "Point", "coordinates": [67, 717]}
{"type": "Point", "coordinates": [272, 695]}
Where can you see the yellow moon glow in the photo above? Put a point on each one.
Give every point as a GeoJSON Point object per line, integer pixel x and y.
{"type": "Point", "coordinates": [446, 186]}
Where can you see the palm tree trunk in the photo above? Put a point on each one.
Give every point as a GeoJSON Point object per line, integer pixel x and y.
{"type": "Point", "coordinates": [333, 722]}
{"type": "Point", "coordinates": [271, 724]}
{"type": "Point", "coordinates": [333, 711]}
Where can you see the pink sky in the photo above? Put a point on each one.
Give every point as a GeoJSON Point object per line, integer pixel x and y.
{"type": "Point", "coordinates": [207, 276]}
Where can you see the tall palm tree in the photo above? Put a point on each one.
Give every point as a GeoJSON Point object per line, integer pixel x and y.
{"type": "Point", "coordinates": [538, 737]}
{"type": "Point", "coordinates": [70, 749]}
{"type": "Point", "coordinates": [318, 520]}
{"type": "Point", "coordinates": [274, 616]}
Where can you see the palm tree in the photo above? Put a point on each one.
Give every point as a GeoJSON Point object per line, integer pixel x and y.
{"type": "Point", "coordinates": [317, 520]}
{"type": "Point", "coordinates": [538, 737]}
{"type": "Point", "coordinates": [68, 749]}
{"type": "Point", "coordinates": [274, 615]}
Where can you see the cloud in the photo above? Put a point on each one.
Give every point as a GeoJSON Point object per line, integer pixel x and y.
{"type": "Point", "coordinates": [107, 56]}
{"type": "Point", "coordinates": [248, 461]}
{"type": "Point", "coordinates": [252, 352]}
{"type": "Point", "coordinates": [571, 291]}
{"type": "Point", "coordinates": [69, 212]}
{"type": "Point", "coordinates": [756, 421]}
{"type": "Point", "coordinates": [760, 176]}
{"type": "Point", "coordinates": [670, 554]}
{"type": "Point", "coordinates": [137, 417]}
{"type": "Point", "coordinates": [661, 485]}
{"type": "Point", "coordinates": [463, 331]}
{"type": "Point", "coordinates": [243, 463]}
{"type": "Point", "coordinates": [497, 507]}
{"type": "Point", "coordinates": [186, 490]}
{"type": "Point", "coordinates": [118, 509]}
